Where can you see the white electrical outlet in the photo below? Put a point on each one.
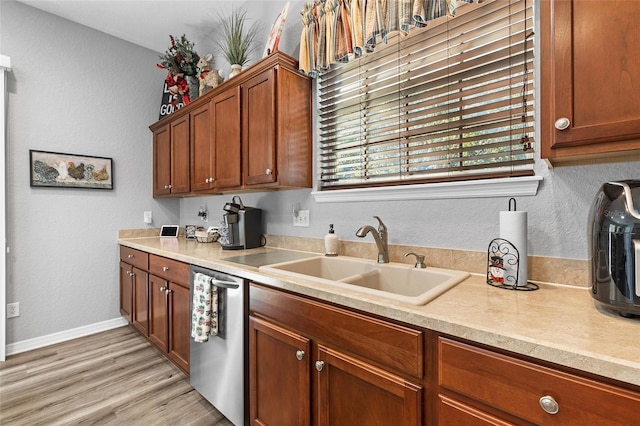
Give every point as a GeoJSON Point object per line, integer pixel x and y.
{"type": "Point", "coordinates": [302, 219]}
{"type": "Point", "coordinates": [13, 310]}
{"type": "Point", "coordinates": [148, 217]}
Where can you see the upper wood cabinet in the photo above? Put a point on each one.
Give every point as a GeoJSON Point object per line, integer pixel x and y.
{"type": "Point", "coordinates": [171, 157]}
{"type": "Point", "coordinates": [590, 79]}
{"type": "Point", "coordinates": [276, 125]}
{"type": "Point", "coordinates": [251, 132]}
{"type": "Point", "coordinates": [215, 143]}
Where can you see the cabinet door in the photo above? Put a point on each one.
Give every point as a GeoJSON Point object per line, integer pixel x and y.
{"type": "Point", "coordinates": [140, 314]}
{"type": "Point", "coordinates": [258, 129]}
{"type": "Point", "coordinates": [353, 392]}
{"type": "Point", "coordinates": [179, 326]}
{"type": "Point", "coordinates": [158, 307]}
{"type": "Point", "coordinates": [162, 161]}
{"type": "Point", "coordinates": [126, 291]}
{"type": "Point", "coordinates": [227, 148]}
{"type": "Point", "coordinates": [294, 129]}
{"type": "Point", "coordinates": [180, 153]}
{"type": "Point", "coordinates": [599, 98]}
{"type": "Point", "coordinates": [201, 149]}
{"type": "Point", "coordinates": [279, 375]}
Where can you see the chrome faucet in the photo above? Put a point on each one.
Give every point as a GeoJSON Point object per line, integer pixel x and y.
{"type": "Point", "coordinates": [380, 237]}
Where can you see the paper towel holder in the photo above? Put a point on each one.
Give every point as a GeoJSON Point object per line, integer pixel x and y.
{"type": "Point", "coordinates": [503, 266]}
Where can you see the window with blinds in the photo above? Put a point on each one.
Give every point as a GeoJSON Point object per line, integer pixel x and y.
{"type": "Point", "coordinates": [452, 101]}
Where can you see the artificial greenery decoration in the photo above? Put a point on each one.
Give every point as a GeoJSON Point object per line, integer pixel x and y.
{"type": "Point", "coordinates": [180, 57]}
{"type": "Point", "coordinates": [236, 44]}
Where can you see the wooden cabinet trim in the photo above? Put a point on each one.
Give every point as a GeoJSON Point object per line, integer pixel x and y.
{"type": "Point", "coordinates": [455, 413]}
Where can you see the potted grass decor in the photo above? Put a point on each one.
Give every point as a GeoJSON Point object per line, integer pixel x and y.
{"type": "Point", "coordinates": [236, 42]}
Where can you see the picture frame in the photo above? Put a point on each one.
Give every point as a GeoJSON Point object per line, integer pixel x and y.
{"type": "Point", "coordinates": [276, 32]}
{"type": "Point", "coordinates": [60, 170]}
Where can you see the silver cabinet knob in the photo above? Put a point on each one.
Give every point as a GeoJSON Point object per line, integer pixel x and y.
{"type": "Point", "coordinates": [300, 355]}
{"type": "Point", "coordinates": [129, 256]}
{"type": "Point", "coordinates": [319, 365]}
{"type": "Point", "coordinates": [130, 273]}
{"type": "Point", "coordinates": [562, 123]}
{"type": "Point", "coordinates": [167, 291]}
{"type": "Point", "coordinates": [549, 404]}
{"type": "Point", "coordinates": [166, 187]}
{"type": "Point", "coordinates": [269, 171]}
{"type": "Point", "coordinates": [162, 289]}
{"type": "Point", "coordinates": [206, 180]}
{"type": "Point", "coordinates": [165, 268]}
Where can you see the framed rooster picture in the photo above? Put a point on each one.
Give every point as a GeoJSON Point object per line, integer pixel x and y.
{"type": "Point", "coordinates": [56, 169]}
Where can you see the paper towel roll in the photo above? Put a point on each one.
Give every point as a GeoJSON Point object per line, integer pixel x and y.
{"type": "Point", "coordinates": [513, 227]}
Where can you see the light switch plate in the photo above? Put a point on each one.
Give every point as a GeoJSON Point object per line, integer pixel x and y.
{"type": "Point", "coordinates": [302, 219]}
{"type": "Point", "coordinates": [148, 217]}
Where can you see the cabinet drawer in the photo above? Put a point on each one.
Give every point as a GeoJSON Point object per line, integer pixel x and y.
{"type": "Point", "coordinates": [137, 258]}
{"type": "Point", "coordinates": [171, 270]}
{"type": "Point", "coordinates": [385, 343]}
{"type": "Point", "coordinates": [516, 387]}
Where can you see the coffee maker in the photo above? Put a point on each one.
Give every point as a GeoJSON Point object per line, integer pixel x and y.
{"type": "Point", "coordinates": [244, 225]}
{"type": "Point", "coordinates": [615, 247]}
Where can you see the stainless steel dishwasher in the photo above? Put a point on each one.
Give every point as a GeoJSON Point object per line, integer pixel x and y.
{"type": "Point", "coordinates": [218, 365]}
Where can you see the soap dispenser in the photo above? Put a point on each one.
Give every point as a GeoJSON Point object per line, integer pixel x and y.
{"type": "Point", "coordinates": [331, 242]}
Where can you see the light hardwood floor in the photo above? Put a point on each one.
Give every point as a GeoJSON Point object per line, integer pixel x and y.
{"type": "Point", "coordinates": [110, 378]}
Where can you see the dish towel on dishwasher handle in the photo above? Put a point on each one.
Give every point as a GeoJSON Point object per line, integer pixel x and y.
{"type": "Point", "coordinates": [204, 319]}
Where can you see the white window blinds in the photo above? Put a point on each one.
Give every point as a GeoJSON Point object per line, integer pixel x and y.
{"type": "Point", "coordinates": [453, 101]}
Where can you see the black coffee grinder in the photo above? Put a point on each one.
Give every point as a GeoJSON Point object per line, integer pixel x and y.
{"type": "Point", "coordinates": [244, 224]}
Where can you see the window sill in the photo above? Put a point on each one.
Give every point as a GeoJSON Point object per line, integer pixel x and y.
{"type": "Point", "coordinates": [487, 188]}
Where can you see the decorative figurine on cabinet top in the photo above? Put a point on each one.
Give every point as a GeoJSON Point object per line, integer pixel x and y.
{"type": "Point", "coordinates": [208, 78]}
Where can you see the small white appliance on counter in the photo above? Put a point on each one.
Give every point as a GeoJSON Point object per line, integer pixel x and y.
{"type": "Point", "coordinates": [217, 365]}
{"type": "Point", "coordinates": [615, 247]}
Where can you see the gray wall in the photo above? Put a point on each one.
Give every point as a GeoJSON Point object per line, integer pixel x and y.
{"type": "Point", "coordinates": [557, 215]}
{"type": "Point", "coordinates": [73, 90]}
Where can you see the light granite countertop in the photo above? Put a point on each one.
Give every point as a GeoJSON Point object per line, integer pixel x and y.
{"type": "Point", "coordinates": [557, 323]}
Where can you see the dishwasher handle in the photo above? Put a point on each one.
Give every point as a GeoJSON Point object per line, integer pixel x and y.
{"type": "Point", "coordinates": [224, 284]}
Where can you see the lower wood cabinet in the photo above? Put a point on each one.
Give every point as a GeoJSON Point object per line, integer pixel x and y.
{"type": "Point", "coordinates": [155, 300]}
{"type": "Point", "coordinates": [170, 317]}
{"type": "Point", "coordinates": [134, 292]}
{"type": "Point", "coordinates": [140, 314]}
{"type": "Point", "coordinates": [483, 387]}
{"type": "Point", "coordinates": [279, 364]}
{"type": "Point", "coordinates": [330, 366]}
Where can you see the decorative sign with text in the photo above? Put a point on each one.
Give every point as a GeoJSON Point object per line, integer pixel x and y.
{"type": "Point", "coordinates": [167, 107]}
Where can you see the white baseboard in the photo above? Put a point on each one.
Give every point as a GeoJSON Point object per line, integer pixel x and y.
{"type": "Point", "coordinates": [62, 336]}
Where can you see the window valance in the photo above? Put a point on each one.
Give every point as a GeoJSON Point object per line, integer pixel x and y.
{"type": "Point", "coordinates": [335, 31]}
